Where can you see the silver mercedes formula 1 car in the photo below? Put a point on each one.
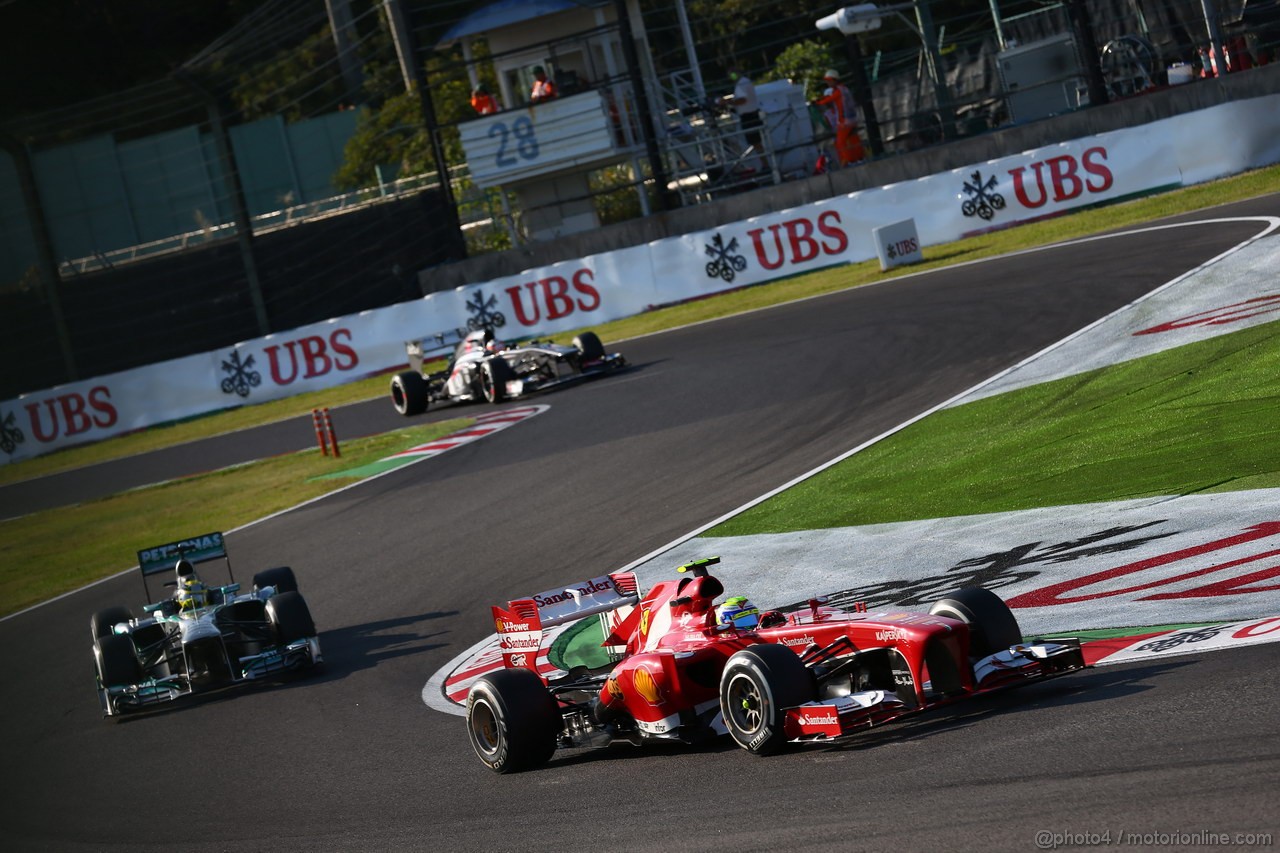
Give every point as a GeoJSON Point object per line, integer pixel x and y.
{"type": "Point", "coordinates": [200, 637]}
{"type": "Point", "coordinates": [484, 368]}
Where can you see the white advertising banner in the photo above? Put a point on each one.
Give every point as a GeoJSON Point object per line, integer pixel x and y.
{"type": "Point", "coordinates": [585, 292]}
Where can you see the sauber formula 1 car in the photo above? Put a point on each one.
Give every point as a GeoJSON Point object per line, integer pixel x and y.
{"type": "Point", "coordinates": [688, 671]}
{"type": "Point", "coordinates": [201, 637]}
{"type": "Point", "coordinates": [484, 369]}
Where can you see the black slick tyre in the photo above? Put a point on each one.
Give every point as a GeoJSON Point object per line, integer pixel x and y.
{"type": "Point", "coordinates": [757, 685]}
{"type": "Point", "coordinates": [992, 625]}
{"type": "Point", "coordinates": [589, 346]}
{"type": "Point", "coordinates": [410, 393]}
{"type": "Point", "coordinates": [494, 376]}
{"type": "Point", "coordinates": [512, 721]}
{"type": "Point", "coordinates": [104, 620]}
{"type": "Point", "coordinates": [280, 577]}
{"type": "Point", "coordinates": [290, 618]}
{"type": "Point", "coordinates": [117, 661]}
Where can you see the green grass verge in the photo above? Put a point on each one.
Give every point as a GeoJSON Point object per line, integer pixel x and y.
{"type": "Point", "coordinates": [51, 552]}
{"type": "Point", "coordinates": [1084, 223]}
{"type": "Point", "coordinates": [1197, 418]}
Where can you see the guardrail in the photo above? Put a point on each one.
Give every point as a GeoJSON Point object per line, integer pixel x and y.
{"type": "Point", "coordinates": [264, 223]}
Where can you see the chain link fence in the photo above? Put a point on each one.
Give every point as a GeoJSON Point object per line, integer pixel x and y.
{"type": "Point", "coordinates": [287, 173]}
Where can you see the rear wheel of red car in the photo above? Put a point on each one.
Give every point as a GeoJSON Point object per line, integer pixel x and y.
{"type": "Point", "coordinates": [758, 684]}
{"type": "Point", "coordinates": [117, 660]}
{"type": "Point", "coordinates": [992, 625]}
{"type": "Point", "coordinates": [512, 720]}
{"type": "Point", "coordinates": [494, 376]}
{"type": "Point", "coordinates": [409, 393]}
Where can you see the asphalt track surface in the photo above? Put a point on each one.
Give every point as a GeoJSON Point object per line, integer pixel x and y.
{"type": "Point", "coordinates": [400, 571]}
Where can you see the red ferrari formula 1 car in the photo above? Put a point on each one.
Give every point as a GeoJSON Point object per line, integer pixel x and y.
{"type": "Point", "coordinates": [687, 670]}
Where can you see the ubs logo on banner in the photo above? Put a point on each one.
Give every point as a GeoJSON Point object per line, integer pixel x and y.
{"type": "Point", "coordinates": [302, 358]}
{"type": "Point", "coordinates": [10, 434]}
{"type": "Point", "coordinates": [240, 375]}
{"type": "Point", "coordinates": [725, 261]}
{"type": "Point", "coordinates": [983, 200]}
{"type": "Point", "coordinates": [69, 414]}
{"type": "Point", "coordinates": [1057, 179]}
{"type": "Point", "coordinates": [482, 312]}
{"type": "Point", "coordinates": [554, 297]}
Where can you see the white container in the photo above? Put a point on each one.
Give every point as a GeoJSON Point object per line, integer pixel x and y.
{"type": "Point", "coordinates": [1180, 73]}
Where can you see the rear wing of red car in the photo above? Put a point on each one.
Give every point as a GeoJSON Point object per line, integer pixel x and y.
{"type": "Point", "coordinates": [521, 623]}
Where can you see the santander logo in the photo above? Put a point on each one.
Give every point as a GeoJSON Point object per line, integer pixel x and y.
{"type": "Point", "coordinates": [591, 587]}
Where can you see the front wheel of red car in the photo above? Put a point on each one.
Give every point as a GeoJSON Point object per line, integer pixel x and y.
{"type": "Point", "coordinates": [992, 625]}
{"type": "Point", "coordinates": [757, 686]}
{"type": "Point", "coordinates": [512, 720]}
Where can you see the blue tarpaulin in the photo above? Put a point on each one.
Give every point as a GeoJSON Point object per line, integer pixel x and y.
{"type": "Point", "coordinates": [504, 13]}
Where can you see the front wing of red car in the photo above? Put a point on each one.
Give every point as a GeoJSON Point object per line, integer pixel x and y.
{"type": "Point", "coordinates": [830, 719]}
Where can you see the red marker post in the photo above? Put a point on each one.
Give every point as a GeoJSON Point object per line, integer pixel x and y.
{"type": "Point", "coordinates": [318, 423]}
{"type": "Point", "coordinates": [333, 436]}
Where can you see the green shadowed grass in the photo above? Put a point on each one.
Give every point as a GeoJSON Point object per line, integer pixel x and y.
{"type": "Point", "coordinates": [1198, 418]}
{"type": "Point", "coordinates": [51, 552]}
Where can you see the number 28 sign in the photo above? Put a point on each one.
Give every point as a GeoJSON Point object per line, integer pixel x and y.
{"type": "Point", "coordinates": [517, 141]}
{"type": "Point", "coordinates": [527, 142]}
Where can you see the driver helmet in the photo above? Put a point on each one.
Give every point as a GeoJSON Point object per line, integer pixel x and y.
{"type": "Point", "coordinates": [738, 612]}
{"type": "Point", "coordinates": [191, 593]}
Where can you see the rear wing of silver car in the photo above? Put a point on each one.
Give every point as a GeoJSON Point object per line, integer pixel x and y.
{"type": "Point", "coordinates": [194, 549]}
{"type": "Point", "coordinates": [521, 623]}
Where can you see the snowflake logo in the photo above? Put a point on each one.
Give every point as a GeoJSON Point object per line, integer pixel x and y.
{"type": "Point", "coordinates": [983, 200]}
{"type": "Point", "coordinates": [10, 435]}
{"type": "Point", "coordinates": [725, 263]}
{"type": "Point", "coordinates": [483, 314]}
{"type": "Point", "coordinates": [240, 375]}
